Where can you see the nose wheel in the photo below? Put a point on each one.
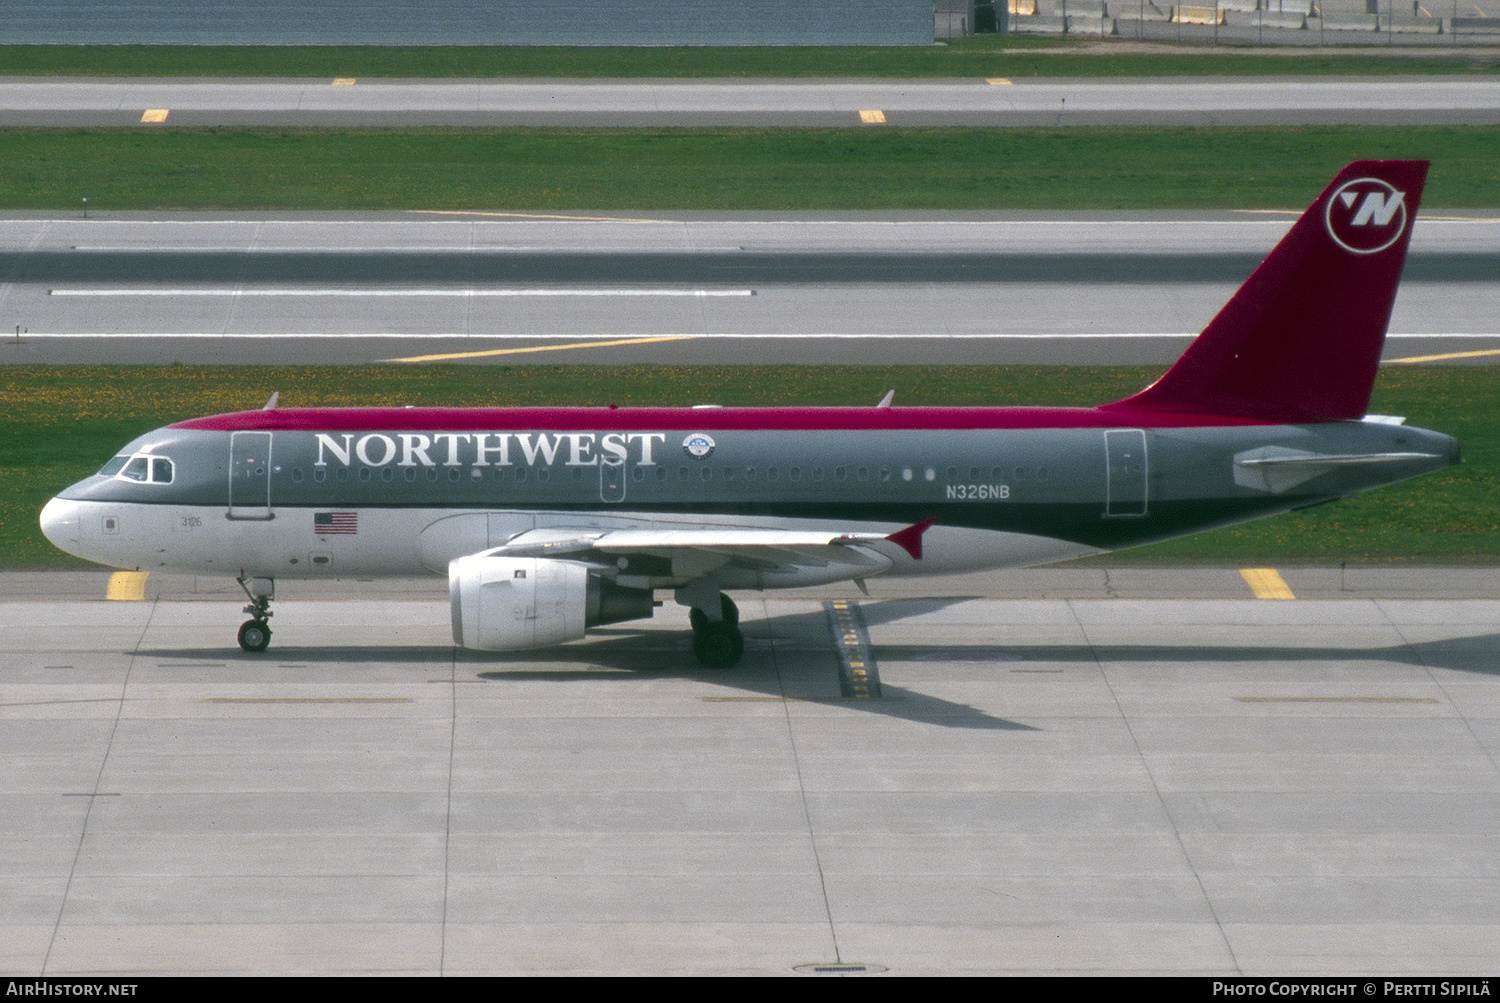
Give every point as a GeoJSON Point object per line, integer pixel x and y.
{"type": "Point", "coordinates": [255, 633]}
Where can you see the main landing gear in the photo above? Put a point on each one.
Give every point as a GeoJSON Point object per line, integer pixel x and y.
{"type": "Point", "coordinates": [718, 643]}
{"type": "Point", "coordinates": [255, 633]}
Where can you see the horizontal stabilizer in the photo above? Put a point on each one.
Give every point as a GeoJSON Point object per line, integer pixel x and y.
{"type": "Point", "coordinates": [1278, 468]}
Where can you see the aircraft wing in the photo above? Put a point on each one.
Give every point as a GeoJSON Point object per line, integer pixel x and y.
{"type": "Point", "coordinates": [693, 552]}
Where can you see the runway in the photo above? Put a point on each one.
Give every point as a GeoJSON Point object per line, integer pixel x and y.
{"type": "Point", "coordinates": [615, 104]}
{"type": "Point", "coordinates": [1070, 771]}
{"type": "Point", "coordinates": [684, 288]}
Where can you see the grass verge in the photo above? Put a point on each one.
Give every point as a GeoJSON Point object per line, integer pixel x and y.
{"type": "Point", "coordinates": [62, 423]}
{"type": "Point", "coordinates": [653, 170]}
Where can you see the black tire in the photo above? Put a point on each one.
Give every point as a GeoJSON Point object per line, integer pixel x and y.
{"type": "Point", "coordinates": [255, 635]}
{"type": "Point", "coordinates": [730, 614]}
{"type": "Point", "coordinates": [718, 645]}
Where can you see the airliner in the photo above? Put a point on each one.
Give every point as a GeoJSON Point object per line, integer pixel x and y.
{"type": "Point", "coordinates": [551, 520]}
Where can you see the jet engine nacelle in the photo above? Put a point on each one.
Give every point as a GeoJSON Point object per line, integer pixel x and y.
{"type": "Point", "coordinates": [510, 603]}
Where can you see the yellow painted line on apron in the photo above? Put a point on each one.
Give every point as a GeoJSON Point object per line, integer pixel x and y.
{"type": "Point", "coordinates": [1335, 700]}
{"type": "Point", "coordinates": [873, 116]}
{"type": "Point", "coordinates": [343, 81]}
{"type": "Point", "coordinates": [997, 81]}
{"type": "Point", "coordinates": [126, 586]}
{"type": "Point", "coordinates": [306, 700]}
{"type": "Point", "coordinates": [155, 115]}
{"type": "Point", "coordinates": [544, 348]}
{"type": "Point", "coordinates": [1265, 583]}
{"type": "Point", "coordinates": [1449, 355]}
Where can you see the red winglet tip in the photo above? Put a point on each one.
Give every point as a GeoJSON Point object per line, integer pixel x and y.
{"type": "Point", "coordinates": [910, 538]}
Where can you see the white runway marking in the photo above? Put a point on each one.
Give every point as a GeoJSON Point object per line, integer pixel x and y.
{"type": "Point", "coordinates": [439, 293]}
{"type": "Point", "coordinates": [824, 335]}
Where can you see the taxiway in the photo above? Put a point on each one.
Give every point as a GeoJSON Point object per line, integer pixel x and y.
{"type": "Point", "coordinates": [1110, 779]}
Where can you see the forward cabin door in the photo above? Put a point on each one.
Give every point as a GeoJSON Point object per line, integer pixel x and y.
{"type": "Point", "coordinates": [250, 475]}
{"type": "Point", "coordinates": [1125, 472]}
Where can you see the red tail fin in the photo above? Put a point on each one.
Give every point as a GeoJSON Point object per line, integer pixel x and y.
{"type": "Point", "coordinates": [1301, 340]}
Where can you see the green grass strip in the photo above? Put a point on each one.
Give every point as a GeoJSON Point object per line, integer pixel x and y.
{"type": "Point", "coordinates": [981, 56]}
{"type": "Point", "coordinates": [659, 170]}
{"type": "Point", "coordinates": [62, 423]}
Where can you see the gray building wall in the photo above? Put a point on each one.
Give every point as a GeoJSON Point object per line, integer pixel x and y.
{"type": "Point", "coordinates": [468, 22]}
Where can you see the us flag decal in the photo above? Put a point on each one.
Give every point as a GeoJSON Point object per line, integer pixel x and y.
{"type": "Point", "coordinates": [325, 523]}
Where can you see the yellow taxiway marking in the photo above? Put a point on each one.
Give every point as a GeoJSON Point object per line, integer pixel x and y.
{"type": "Point", "coordinates": [997, 81]}
{"type": "Point", "coordinates": [263, 700]}
{"type": "Point", "coordinates": [1335, 700]}
{"type": "Point", "coordinates": [343, 81]}
{"type": "Point", "coordinates": [1265, 583]}
{"type": "Point", "coordinates": [156, 114]}
{"type": "Point", "coordinates": [536, 215]}
{"type": "Point", "coordinates": [872, 116]}
{"type": "Point", "coordinates": [544, 348]}
{"type": "Point", "coordinates": [1448, 355]}
{"type": "Point", "coordinates": [126, 586]}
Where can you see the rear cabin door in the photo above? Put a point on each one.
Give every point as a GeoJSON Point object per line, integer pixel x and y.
{"type": "Point", "coordinates": [1125, 472]}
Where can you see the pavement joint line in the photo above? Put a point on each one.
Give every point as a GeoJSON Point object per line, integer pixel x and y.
{"type": "Point", "coordinates": [126, 586]}
{"type": "Point", "coordinates": [1265, 583]}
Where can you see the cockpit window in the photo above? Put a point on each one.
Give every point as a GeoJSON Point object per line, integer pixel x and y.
{"type": "Point", "coordinates": [113, 466]}
{"type": "Point", "coordinates": [142, 468]}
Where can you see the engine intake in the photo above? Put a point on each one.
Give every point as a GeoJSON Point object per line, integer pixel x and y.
{"type": "Point", "coordinates": [512, 603]}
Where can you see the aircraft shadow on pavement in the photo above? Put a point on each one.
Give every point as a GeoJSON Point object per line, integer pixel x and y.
{"type": "Point", "coordinates": [791, 657]}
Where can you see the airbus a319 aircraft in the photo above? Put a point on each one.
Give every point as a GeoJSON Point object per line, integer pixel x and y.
{"type": "Point", "coordinates": [548, 521]}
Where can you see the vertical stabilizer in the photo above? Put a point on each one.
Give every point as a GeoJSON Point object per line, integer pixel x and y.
{"type": "Point", "coordinates": [1301, 339]}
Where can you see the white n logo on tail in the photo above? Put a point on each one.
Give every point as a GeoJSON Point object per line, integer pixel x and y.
{"type": "Point", "coordinates": [1376, 207]}
{"type": "Point", "coordinates": [1366, 215]}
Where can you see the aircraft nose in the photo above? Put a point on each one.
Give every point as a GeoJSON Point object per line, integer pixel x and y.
{"type": "Point", "coordinates": [60, 525]}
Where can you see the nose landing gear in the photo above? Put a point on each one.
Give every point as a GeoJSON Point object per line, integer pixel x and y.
{"type": "Point", "coordinates": [255, 633]}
